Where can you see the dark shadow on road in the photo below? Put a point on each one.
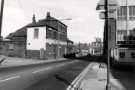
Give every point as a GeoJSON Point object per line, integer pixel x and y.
{"type": "Point", "coordinates": [89, 58]}
{"type": "Point", "coordinates": [58, 77]}
{"type": "Point", "coordinates": [62, 79]}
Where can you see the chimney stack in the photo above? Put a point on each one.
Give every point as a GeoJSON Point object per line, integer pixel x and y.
{"type": "Point", "coordinates": [48, 15]}
{"type": "Point", "coordinates": [33, 19]}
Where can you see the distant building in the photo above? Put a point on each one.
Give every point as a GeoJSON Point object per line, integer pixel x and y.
{"type": "Point", "coordinates": [82, 49]}
{"type": "Point", "coordinates": [46, 38]}
{"type": "Point", "coordinates": [70, 46]}
{"type": "Point", "coordinates": [96, 47]}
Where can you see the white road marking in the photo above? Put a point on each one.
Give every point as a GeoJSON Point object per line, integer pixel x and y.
{"type": "Point", "coordinates": [10, 78]}
{"type": "Point", "coordinates": [40, 70]}
{"type": "Point", "coordinates": [48, 68]}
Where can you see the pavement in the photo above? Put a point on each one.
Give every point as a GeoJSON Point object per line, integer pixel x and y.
{"type": "Point", "coordinates": [14, 61]}
{"type": "Point", "coordinates": [94, 77]}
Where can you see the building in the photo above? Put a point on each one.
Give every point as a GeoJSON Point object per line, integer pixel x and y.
{"type": "Point", "coordinates": [96, 47]}
{"type": "Point", "coordinates": [125, 31]}
{"type": "Point", "coordinates": [123, 49]}
{"type": "Point", "coordinates": [46, 38]}
{"type": "Point", "coordinates": [14, 44]}
{"type": "Point", "coordinates": [70, 46]}
{"type": "Point", "coordinates": [81, 49]}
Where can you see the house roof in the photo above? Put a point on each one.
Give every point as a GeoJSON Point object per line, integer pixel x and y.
{"type": "Point", "coordinates": [49, 21]}
{"type": "Point", "coordinates": [18, 33]}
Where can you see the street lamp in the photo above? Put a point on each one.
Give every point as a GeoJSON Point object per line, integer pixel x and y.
{"type": "Point", "coordinates": [1, 17]}
{"type": "Point", "coordinates": [108, 6]}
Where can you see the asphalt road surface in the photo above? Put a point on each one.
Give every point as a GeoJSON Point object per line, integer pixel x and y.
{"type": "Point", "coordinates": [51, 76]}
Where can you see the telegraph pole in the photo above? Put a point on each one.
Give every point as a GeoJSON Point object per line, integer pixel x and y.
{"type": "Point", "coordinates": [108, 87]}
{"type": "Point", "coordinates": [1, 17]}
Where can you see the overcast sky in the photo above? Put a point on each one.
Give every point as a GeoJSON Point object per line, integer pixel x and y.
{"type": "Point", "coordinates": [84, 26]}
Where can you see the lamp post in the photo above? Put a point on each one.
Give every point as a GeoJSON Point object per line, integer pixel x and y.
{"type": "Point", "coordinates": [108, 51]}
{"type": "Point", "coordinates": [107, 28]}
{"type": "Point", "coordinates": [1, 17]}
{"type": "Point", "coordinates": [109, 6]}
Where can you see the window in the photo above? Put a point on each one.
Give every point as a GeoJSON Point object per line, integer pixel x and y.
{"type": "Point", "coordinates": [122, 13]}
{"type": "Point", "coordinates": [122, 54]}
{"type": "Point", "coordinates": [132, 12]}
{"type": "Point", "coordinates": [36, 33]}
{"type": "Point", "coordinates": [133, 54]}
{"type": "Point", "coordinates": [121, 34]}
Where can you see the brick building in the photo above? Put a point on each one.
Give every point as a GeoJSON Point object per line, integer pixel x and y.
{"type": "Point", "coordinates": [46, 38]}
{"type": "Point", "coordinates": [70, 46]}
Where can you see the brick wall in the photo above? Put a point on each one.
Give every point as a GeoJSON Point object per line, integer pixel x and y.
{"type": "Point", "coordinates": [35, 54]}
{"type": "Point", "coordinates": [14, 49]}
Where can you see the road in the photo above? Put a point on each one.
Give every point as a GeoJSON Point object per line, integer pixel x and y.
{"type": "Point", "coordinates": [51, 76]}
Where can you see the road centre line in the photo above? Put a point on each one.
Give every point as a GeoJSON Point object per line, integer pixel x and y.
{"type": "Point", "coordinates": [10, 78]}
{"type": "Point", "coordinates": [40, 70]}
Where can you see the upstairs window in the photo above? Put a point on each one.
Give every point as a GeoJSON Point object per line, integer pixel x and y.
{"type": "Point", "coordinates": [36, 33]}
{"type": "Point", "coordinates": [122, 13]}
{"type": "Point", "coordinates": [132, 12]}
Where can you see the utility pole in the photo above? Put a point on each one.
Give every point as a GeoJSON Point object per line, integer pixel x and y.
{"type": "Point", "coordinates": [127, 17]}
{"type": "Point", "coordinates": [1, 17]}
{"type": "Point", "coordinates": [108, 87]}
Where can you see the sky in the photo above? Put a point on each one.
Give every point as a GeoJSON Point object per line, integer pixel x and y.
{"type": "Point", "coordinates": [84, 26]}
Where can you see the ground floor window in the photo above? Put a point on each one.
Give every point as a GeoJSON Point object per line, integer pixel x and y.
{"type": "Point", "coordinates": [133, 54]}
{"type": "Point", "coordinates": [122, 54]}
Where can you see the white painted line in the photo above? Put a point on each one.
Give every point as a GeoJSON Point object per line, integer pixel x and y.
{"type": "Point", "coordinates": [48, 68]}
{"type": "Point", "coordinates": [40, 70]}
{"type": "Point", "coordinates": [78, 79]}
{"type": "Point", "coordinates": [10, 78]}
